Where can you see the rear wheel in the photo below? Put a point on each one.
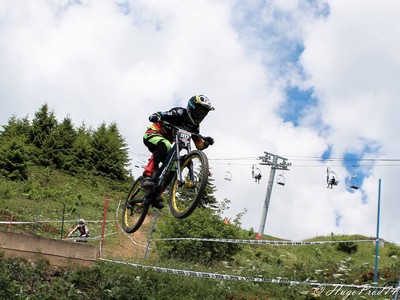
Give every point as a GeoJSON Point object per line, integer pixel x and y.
{"type": "Point", "coordinates": [185, 196]}
{"type": "Point", "coordinates": [135, 210]}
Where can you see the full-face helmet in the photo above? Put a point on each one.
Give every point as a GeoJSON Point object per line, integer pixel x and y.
{"type": "Point", "coordinates": [198, 108]}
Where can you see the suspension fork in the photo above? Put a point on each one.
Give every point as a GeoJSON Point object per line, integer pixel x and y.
{"type": "Point", "coordinates": [178, 163]}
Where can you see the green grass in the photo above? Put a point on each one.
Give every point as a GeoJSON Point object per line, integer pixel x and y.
{"type": "Point", "coordinates": [50, 195]}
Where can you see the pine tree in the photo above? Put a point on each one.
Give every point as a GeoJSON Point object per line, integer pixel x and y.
{"type": "Point", "coordinates": [209, 198]}
{"type": "Point", "coordinates": [62, 139]}
{"type": "Point", "coordinates": [47, 143]}
{"type": "Point", "coordinates": [121, 151]}
{"type": "Point", "coordinates": [80, 158]}
{"type": "Point", "coordinates": [14, 149]}
{"type": "Point", "coordinates": [17, 127]}
{"type": "Point", "coordinates": [110, 156]}
{"type": "Point", "coordinates": [42, 127]}
{"type": "Point", "coordinates": [14, 159]}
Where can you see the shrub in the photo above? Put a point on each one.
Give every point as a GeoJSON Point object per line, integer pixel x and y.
{"type": "Point", "coordinates": [347, 247]}
{"type": "Point", "coordinates": [202, 224]}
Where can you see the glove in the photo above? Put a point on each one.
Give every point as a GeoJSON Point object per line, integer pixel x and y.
{"type": "Point", "coordinates": [209, 140]}
{"type": "Point", "coordinates": [155, 118]}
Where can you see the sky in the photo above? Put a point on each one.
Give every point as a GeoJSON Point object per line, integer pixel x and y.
{"type": "Point", "coordinates": [312, 81]}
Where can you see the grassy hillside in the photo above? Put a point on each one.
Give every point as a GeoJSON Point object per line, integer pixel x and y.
{"type": "Point", "coordinates": [49, 193]}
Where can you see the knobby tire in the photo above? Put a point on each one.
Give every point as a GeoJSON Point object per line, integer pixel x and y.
{"type": "Point", "coordinates": [133, 215]}
{"type": "Point", "coordinates": [186, 198]}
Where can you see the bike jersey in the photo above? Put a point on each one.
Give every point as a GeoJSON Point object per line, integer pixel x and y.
{"type": "Point", "coordinates": [179, 117]}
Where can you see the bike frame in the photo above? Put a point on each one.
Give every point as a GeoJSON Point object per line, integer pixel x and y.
{"type": "Point", "coordinates": [181, 142]}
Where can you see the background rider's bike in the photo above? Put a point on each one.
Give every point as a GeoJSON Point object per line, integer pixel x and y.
{"type": "Point", "coordinates": [186, 175]}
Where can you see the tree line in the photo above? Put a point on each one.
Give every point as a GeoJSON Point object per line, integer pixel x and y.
{"type": "Point", "coordinates": [60, 145]}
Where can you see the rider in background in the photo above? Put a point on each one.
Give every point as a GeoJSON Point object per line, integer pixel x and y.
{"type": "Point", "coordinates": [158, 139]}
{"type": "Point", "coordinates": [81, 228]}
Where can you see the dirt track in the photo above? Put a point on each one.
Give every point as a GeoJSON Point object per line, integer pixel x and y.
{"type": "Point", "coordinates": [131, 245]}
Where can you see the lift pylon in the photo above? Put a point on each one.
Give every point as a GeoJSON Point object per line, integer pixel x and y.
{"type": "Point", "coordinates": [277, 163]}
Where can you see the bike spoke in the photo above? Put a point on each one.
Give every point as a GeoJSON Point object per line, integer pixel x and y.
{"type": "Point", "coordinates": [185, 195]}
{"type": "Point", "coordinates": [135, 209]}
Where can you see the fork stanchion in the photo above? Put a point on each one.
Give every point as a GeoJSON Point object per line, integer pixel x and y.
{"type": "Point", "coordinates": [151, 234]}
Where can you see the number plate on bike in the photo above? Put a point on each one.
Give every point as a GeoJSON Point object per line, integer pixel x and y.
{"type": "Point", "coordinates": [184, 136]}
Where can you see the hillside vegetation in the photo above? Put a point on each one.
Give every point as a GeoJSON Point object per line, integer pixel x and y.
{"type": "Point", "coordinates": [46, 189]}
{"type": "Point", "coordinates": [42, 197]}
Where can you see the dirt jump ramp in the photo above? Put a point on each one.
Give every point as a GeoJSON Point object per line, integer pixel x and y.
{"type": "Point", "coordinates": [57, 252]}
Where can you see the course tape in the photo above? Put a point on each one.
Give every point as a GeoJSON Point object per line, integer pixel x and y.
{"type": "Point", "coordinates": [243, 278]}
{"type": "Point", "coordinates": [65, 221]}
{"type": "Point", "coordinates": [261, 242]}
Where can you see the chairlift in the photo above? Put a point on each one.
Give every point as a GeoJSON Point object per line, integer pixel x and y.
{"type": "Point", "coordinates": [256, 174]}
{"type": "Point", "coordinates": [353, 182]}
{"type": "Point", "coordinates": [138, 164]}
{"type": "Point", "coordinates": [280, 180]}
{"type": "Point", "coordinates": [228, 174]}
{"type": "Point", "coordinates": [141, 163]}
{"type": "Point", "coordinates": [331, 178]}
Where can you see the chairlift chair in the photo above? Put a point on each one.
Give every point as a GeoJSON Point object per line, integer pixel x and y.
{"type": "Point", "coordinates": [138, 164]}
{"type": "Point", "coordinates": [280, 180]}
{"type": "Point", "coordinates": [353, 182]}
{"type": "Point", "coordinates": [331, 178]}
{"type": "Point", "coordinates": [256, 174]}
{"type": "Point", "coordinates": [228, 176]}
{"type": "Point", "coordinates": [141, 163]}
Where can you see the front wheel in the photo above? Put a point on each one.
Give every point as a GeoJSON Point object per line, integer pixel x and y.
{"type": "Point", "coordinates": [135, 210]}
{"type": "Point", "coordinates": [185, 196]}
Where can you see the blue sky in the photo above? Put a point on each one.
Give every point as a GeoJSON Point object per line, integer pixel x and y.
{"type": "Point", "coordinates": [303, 79]}
{"type": "Point", "coordinates": [296, 105]}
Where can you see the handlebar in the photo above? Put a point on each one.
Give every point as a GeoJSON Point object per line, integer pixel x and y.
{"type": "Point", "coordinates": [174, 127]}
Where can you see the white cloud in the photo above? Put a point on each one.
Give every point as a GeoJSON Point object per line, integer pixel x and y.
{"type": "Point", "coordinates": [99, 61]}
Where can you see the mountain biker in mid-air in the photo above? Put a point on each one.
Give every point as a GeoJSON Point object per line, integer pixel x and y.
{"type": "Point", "coordinates": [158, 138]}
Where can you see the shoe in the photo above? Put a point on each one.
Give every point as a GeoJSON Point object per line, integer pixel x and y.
{"type": "Point", "coordinates": [158, 204]}
{"type": "Point", "coordinates": [147, 182]}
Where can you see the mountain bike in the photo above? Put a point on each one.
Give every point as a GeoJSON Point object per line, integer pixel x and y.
{"type": "Point", "coordinates": [185, 176]}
